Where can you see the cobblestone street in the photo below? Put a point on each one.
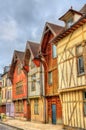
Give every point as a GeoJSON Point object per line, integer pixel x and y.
{"type": "Point", "coordinates": [26, 125]}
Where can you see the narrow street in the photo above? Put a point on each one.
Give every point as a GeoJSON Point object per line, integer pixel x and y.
{"type": "Point", "coordinates": [26, 125]}
{"type": "Point", "coordinates": [5, 127]}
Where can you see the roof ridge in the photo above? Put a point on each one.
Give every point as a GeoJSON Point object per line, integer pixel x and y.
{"type": "Point", "coordinates": [54, 24]}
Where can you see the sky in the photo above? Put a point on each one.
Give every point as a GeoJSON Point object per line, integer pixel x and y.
{"type": "Point", "coordinates": [24, 20]}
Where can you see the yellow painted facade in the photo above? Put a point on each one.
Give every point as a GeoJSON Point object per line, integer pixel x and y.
{"type": "Point", "coordinates": [40, 116]}
{"type": "Point", "coordinates": [4, 88]}
{"type": "Point", "coordinates": [71, 85]}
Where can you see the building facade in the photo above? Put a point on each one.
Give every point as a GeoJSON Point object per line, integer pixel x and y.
{"type": "Point", "coordinates": [18, 77]}
{"type": "Point", "coordinates": [35, 83]}
{"type": "Point", "coordinates": [48, 52]}
{"type": "Point", "coordinates": [9, 103]}
{"type": "Point", "coordinates": [3, 92]}
{"type": "Point", "coordinates": [71, 51]}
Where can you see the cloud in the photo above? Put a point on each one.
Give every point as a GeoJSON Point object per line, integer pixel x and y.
{"type": "Point", "coordinates": [8, 29]}
{"type": "Point", "coordinates": [22, 20]}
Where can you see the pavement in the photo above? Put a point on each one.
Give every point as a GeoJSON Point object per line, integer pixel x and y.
{"type": "Point", "coordinates": [27, 125]}
{"type": "Point", "coordinates": [6, 127]}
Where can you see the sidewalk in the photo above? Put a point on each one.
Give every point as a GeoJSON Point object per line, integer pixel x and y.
{"type": "Point", "coordinates": [26, 125]}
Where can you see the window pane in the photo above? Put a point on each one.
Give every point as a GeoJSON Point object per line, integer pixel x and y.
{"type": "Point", "coordinates": [19, 87]}
{"type": "Point", "coordinates": [69, 22]}
{"type": "Point", "coordinates": [50, 77]}
{"type": "Point", "coordinates": [36, 106]}
{"type": "Point", "coordinates": [84, 95]}
{"type": "Point", "coordinates": [84, 108]}
{"type": "Point", "coordinates": [80, 65]}
{"type": "Point", "coordinates": [54, 51]}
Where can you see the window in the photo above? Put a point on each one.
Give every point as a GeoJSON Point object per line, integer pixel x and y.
{"type": "Point", "coordinates": [9, 94]}
{"type": "Point", "coordinates": [50, 77]}
{"type": "Point", "coordinates": [33, 82]}
{"type": "Point", "coordinates": [69, 22]}
{"type": "Point", "coordinates": [19, 88]}
{"type": "Point", "coordinates": [19, 106]}
{"type": "Point", "coordinates": [80, 62]}
{"type": "Point", "coordinates": [16, 106]}
{"type": "Point", "coordinates": [36, 106]}
{"type": "Point", "coordinates": [84, 95]}
{"type": "Point", "coordinates": [8, 82]}
{"type": "Point", "coordinates": [54, 51]}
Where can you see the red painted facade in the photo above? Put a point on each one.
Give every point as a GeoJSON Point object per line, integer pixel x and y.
{"type": "Point", "coordinates": [19, 91]}
{"type": "Point", "coordinates": [51, 90]}
{"type": "Point", "coordinates": [17, 78]}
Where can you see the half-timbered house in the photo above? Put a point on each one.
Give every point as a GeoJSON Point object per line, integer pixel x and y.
{"type": "Point", "coordinates": [18, 77]}
{"type": "Point", "coordinates": [71, 62]}
{"type": "Point", "coordinates": [4, 89]}
{"type": "Point", "coordinates": [49, 60]}
{"type": "Point", "coordinates": [35, 82]}
{"type": "Point", "coordinates": [9, 103]}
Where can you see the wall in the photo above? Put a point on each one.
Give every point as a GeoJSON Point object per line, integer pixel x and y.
{"type": "Point", "coordinates": [67, 62]}
{"type": "Point", "coordinates": [73, 109]}
{"type": "Point", "coordinates": [16, 78]}
{"type": "Point", "coordinates": [39, 117]}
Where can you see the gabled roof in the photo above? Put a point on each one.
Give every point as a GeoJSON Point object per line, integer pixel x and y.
{"type": "Point", "coordinates": [79, 23]}
{"type": "Point", "coordinates": [17, 56]}
{"type": "Point", "coordinates": [70, 11]}
{"type": "Point", "coordinates": [33, 48]}
{"type": "Point", "coordinates": [53, 28]}
{"type": "Point", "coordinates": [83, 9]}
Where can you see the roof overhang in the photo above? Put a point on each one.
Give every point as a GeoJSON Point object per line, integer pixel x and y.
{"type": "Point", "coordinates": [69, 13]}
{"type": "Point", "coordinates": [65, 33]}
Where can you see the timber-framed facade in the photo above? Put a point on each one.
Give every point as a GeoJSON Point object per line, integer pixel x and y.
{"type": "Point", "coordinates": [18, 76]}
{"type": "Point", "coordinates": [35, 82]}
{"type": "Point", "coordinates": [71, 46]}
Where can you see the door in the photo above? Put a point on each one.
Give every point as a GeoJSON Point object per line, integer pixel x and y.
{"type": "Point", "coordinates": [53, 114]}
{"type": "Point", "coordinates": [12, 110]}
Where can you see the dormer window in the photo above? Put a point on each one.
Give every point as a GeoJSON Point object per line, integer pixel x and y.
{"type": "Point", "coordinates": [69, 23]}
{"type": "Point", "coordinates": [70, 17]}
